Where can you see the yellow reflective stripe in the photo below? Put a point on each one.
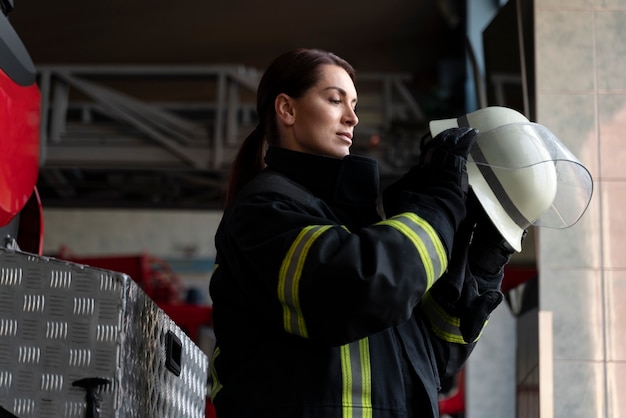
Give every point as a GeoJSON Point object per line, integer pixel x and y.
{"type": "Point", "coordinates": [444, 325]}
{"type": "Point", "coordinates": [289, 279]}
{"type": "Point", "coordinates": [356, 373]}
{"type": "Point", "coordinates": [426, 241]}
{"type": "Point", "coordinates": [421, 249]}
{"type": "Point", "coordinates": [366, 378]}
{"type": "Point", "coordinates": [216, 386]}
{"type": "Point", "coordinates": [346, 381]}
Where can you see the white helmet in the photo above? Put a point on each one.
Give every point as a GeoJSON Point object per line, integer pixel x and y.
{"type": "Point", "coordinates": [521, 173]}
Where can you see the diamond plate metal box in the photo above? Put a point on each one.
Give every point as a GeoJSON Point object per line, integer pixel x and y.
{"type": "Point", "coordinates": [64, 324]}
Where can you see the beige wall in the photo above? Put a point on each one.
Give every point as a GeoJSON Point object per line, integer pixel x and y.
{"type": "Point", "coordinates": [581, 96]}
{"type": "Point", "coordinates": [105, 232]}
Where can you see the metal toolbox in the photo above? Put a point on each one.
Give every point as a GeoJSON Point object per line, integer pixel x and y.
{"type": "Point", "coordinates": [78, 341]}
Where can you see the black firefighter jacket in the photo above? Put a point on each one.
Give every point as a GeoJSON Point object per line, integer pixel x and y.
{"type": "Point", "coordinates": [323, 309]}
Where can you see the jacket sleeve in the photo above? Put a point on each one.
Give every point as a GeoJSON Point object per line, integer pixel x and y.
{"type": "Point", "coordinates": [321, 281]}
{"type": "Point", "coordinates": [457, 309]}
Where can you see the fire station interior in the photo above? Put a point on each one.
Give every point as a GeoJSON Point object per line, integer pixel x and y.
{"type": "Point", "coordinates": [143, 107]}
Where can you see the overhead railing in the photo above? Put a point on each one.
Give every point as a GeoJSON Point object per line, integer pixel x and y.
{"type": "Point", "coordinates": [138, 116]}
{"type": "Point", "coordinates": [174, 116]}
{"type": "Point", "coordinates": [165, 136]}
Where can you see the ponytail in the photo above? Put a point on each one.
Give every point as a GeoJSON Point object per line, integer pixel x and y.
{"type": "Point", "coordinates": [248, 162]}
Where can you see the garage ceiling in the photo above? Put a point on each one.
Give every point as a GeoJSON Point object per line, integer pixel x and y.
{"type": "Point", "coordinates": [413, 37]}
{"type": "Point", "coordinates": [382, 36]}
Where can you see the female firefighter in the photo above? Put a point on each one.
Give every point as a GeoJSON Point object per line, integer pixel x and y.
{"type": "Point", "coordinates": [321, 308]}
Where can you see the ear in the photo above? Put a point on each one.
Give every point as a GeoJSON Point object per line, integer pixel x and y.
{"type": "Point", "coordinates": [285, 109]}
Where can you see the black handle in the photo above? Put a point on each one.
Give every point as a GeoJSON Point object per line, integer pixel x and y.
{"type": "Point", "coordinates": [174, 353]}
{"type": "Point", "coordinates": [91, 384]}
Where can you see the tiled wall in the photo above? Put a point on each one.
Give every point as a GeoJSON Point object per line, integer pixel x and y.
{"type": "Point", "coordinates": [581, 97]}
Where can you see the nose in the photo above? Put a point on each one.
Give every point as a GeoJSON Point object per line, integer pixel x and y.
{"type": "Point", "coordinates": [350, 117]}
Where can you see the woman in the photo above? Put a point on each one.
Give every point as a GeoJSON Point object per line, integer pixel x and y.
{"type": "Point", "coordinates": [320, 307]}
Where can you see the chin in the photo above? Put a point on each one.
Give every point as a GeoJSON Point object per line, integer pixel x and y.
{"type": "Point", "coordinates": [334, 152]}
{"type": "Point", "coordinates": [339, 155]}
{"type": "Point", "coordinates": [341, 152]}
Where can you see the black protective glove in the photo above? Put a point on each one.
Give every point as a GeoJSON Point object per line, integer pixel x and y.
{"type": "Point", "coordinates": [445, 156]}
{"type": "Point", "coordinates": [489, 252]}
{"type": "Point", "coordinates": [470, 289]}
{"type": "Point", "coordinates": [452, 142]}
{"type": "Point", "coordinates": [459, 291]}
{"type": "Point", "coordinates": [437, 185]}
{"type": "Point", "coordinates": [441, 165]}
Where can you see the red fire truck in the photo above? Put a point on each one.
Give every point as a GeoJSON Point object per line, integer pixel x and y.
{"type": "Point", "coordinates": [20, 208]}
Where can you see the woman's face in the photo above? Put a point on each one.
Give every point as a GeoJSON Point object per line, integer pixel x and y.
{"type": "Point", "coordinates": [323, 119]}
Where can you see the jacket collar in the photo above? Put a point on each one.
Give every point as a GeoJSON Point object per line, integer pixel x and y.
{"type": "Point", "coordinates": [352, 180]}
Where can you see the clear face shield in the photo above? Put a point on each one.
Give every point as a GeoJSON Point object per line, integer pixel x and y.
{"type": "Point", "coordinates": [524, 170]}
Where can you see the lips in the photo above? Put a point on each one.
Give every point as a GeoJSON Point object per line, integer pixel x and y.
{"type": "Point", "coordinates": [347, 135]}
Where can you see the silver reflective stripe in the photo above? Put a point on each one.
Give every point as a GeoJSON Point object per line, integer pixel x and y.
{"type": "Point", "coordinates": [444, 325]}
{"type": "Point", "coordinates": [426, 241]}
{"type": "Point", "coordinates": [356, 373]}
{"type": "Point", "coordinates": [289, 279]}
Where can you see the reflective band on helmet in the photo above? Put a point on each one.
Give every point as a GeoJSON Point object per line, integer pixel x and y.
{"type": "Point", "coordinates": [493, 182]}
{"type": "Point", "coordinates": [289, 279]}
{"type": "Point", "coordinates": [463, 122]}
{"type": "Point", "coordinates": [444, 325]}
{"type": "Point", "coordinates": [498, 190]}
{"type": "Point", "coordinates": [356, 373]}
{"type": "Point", "coordinates": [426, 241]}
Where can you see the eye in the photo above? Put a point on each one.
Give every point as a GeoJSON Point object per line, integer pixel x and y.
{"type": "Point", "coordinates": [335, 101]}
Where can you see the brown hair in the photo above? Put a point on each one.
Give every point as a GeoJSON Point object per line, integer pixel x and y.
{"type": "Point", "coordinates": [292, 73]}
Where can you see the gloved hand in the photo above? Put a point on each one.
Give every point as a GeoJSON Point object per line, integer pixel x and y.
{"type": "Point", "coordinates": [436, 187]}
{"type": "Point", "coordinates": [461, 293]}
{"type": "Point", "coordinates": [443, 149]}
{"type": "Point", "coordinates": [488, 252]}
{"type": "Point", "coordinates": [445, 155]}
{"type": "Point", "coordinates": [442, 162]}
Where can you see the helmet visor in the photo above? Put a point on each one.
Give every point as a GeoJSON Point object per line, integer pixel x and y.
{"type": "Point", "coordinates": [531, 174]}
